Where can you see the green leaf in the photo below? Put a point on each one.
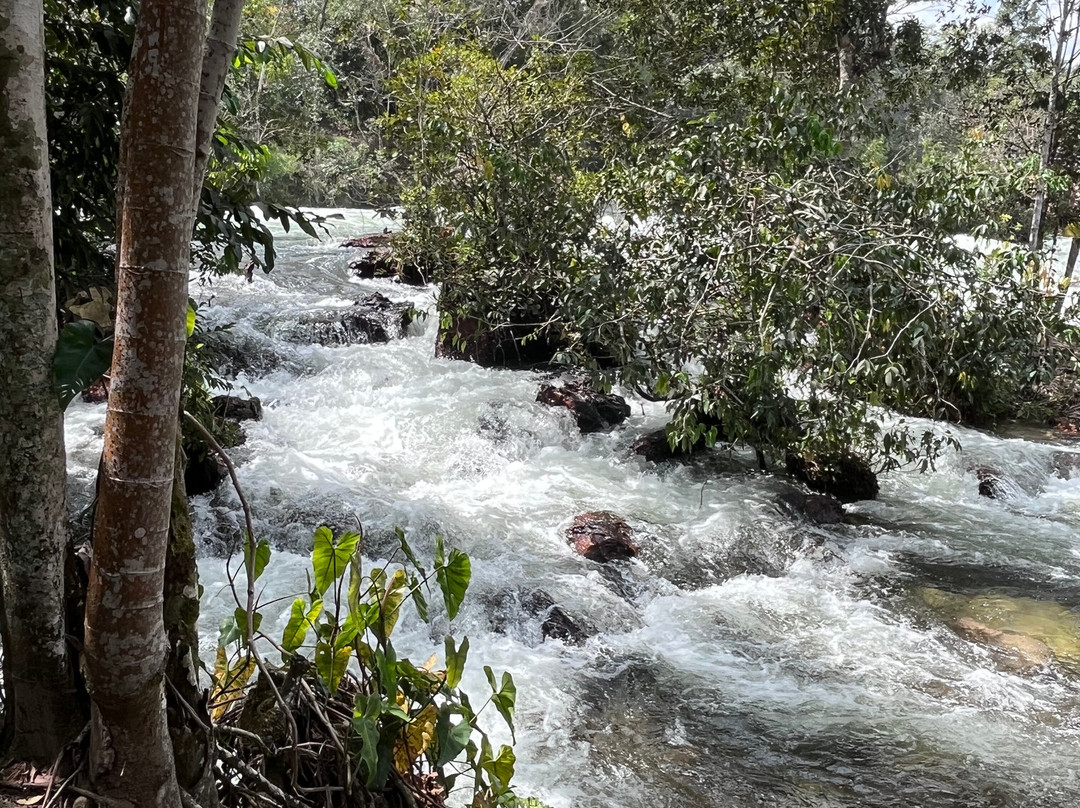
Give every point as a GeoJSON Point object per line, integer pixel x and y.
{"type": "Point", "coordinates": [330, 558]}
{"type": "Point", "coordinates": [419, 600]}
{"type": "Point", "coordinates": [190, 324]}
{"type": "Point", "coordinates": [262, 556]}
{"type": "Point", "coordinates": [453, 578]}
{"type": "Point", "coordinates": [80, 359]}
{"type": "Point", "coordinates": [331, 664]}
{"type": "Point", "coordinates": [386, 663]}
{"type": "Point", "coordinates": [368, 731]}
{"type": "Point", "coordinates": [299, 622]}
{"type": "Point", "coordinates": [407, 550]}
{"type": "Point", "coordinates": [452, 738]}
{"type": "Point", "coordinates": [229, 631]}
{"type": "Point", "coordinates": [240, 616]}
{"type": "Point", "coordinates": [501, 767]}
{"type": "Point", "coordinates": [455, 660]}
{"type": "Point", "coordinates": [504, 698]}
{"type": "Point", "coordinates": [390, 606]}
{"type": "Point", "coordinates": [330, 79]}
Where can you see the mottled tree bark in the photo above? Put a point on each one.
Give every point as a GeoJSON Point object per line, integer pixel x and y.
{"type": "Point", "coordinates": [131, 755]}
{"type": "Point", "coordinates": [193, 748]}
{"type": "Point", "coordinates": [43, 708]}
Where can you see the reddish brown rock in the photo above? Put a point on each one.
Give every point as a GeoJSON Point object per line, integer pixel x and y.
{"type": "Point", "coordinates": [601, 536]}
{"type": "Point", "coordinates": [593, 411]}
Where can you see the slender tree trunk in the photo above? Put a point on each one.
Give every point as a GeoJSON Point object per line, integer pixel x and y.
{"type": "Point", "coordinates": [1046, 152]}
{"type": "Point", "coordinates": [193, 749]}
{"type": "Point", "coordinates": [43, 707]}
{"type": "Point", "coordinates": [1066, 279]}
{"type": "Point", "coordinates": [131, 755]}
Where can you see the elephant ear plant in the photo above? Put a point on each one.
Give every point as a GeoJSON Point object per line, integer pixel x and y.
{"type": "Point", "coordinates": [343, 713]}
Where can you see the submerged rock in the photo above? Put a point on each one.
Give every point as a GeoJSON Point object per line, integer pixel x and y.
{"type": "Point", "coordinates": [822, 509]}
{"type": "Point", "coordinates": [1016, 652]}
{"type": "Point", "coordinates": [991, 482]}
{"type": "Point", "coordinates": [1016, 626]}
{"type": "Point", "coordinates": [601, 536]}
{"type": "Point", "coordinates": [593, 411]}
{"type": "Point", "coordinates": [847, 477]}
{"type": "Point", "coordinates": [236, 408]}
{"type": "Point", "coordinates": [374, 318]}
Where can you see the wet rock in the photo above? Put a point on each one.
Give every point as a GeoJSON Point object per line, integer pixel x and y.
{"type": "Point", "coordinates": [238, 409]}
{"type": "Point", "coordinates": [556, 623]}
{"type": "Point", "coordinates": [822, 509]}
{"type": "Point", "coordinates": [601, 536]}
{"type": "Point", "coordinates": [1016, 652]}
{"type": "Point", "coordinates": [991, 482]}
{"type": "Point", "coordinates": [655, 448]}
{"type": "Point", "coordinates": [377, 260]}
{"type": "Point", "coordinates": [97, 393]}
{"type": "Point", "coordinates": [847, 477]}
{"type": "Point", "coordinates": [507, 346]}
{"type": "Point", "coordinates": [1022, 624]}
{"type": "Point", "coordinates": [204, 471]}
{"type": "Point", "coordinates": [1065, 465]}
{"type": "Point", "coordinates": [374, 318]}
{"type": "Point", "coordinates": [593, 411]}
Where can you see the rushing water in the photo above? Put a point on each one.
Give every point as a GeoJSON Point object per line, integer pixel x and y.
{"type": "Point", "coordinates": [821, 678]}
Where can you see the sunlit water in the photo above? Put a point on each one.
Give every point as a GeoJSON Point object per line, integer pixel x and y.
{"type": "Point", "coordinates": [827, 682]}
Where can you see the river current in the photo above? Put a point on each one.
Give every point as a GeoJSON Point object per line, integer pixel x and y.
{"type": "Point", "coordinates": [719, 669]}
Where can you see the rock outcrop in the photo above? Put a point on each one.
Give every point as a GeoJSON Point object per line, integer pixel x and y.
{"type": "Point", "coordinates": [236, 408]}
{"type": "Point", "coordinates": [847, 477]}
{"type": "Point", "coordinates": [594, 411]}
{"type": "Point", "coordinates": [373, 318]}
{"type": "Point", "coordinates": [821, 509]}
{"type": "Point", "coordinates": [601, 536]}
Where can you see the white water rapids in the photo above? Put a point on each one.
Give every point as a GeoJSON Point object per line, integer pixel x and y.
{"type": "Point", "coordinates": [826, 682]}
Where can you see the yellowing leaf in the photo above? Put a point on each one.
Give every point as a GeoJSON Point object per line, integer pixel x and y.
{"type": "Point", "coordinates": [415, 739]}
{"type": "Point", "coordinates": [229, 683]}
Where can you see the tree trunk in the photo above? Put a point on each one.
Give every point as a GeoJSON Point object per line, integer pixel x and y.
{"type": "Point", "coordinates": [131, 755]}
{"type": "Point", "coordinates": [193, 749]}
{"type": "Point", "coordinates": [43, 706]}
{"type": "Point", "coordinates": [1046, 152]}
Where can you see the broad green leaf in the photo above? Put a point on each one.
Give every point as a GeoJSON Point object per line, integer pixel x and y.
{"type": "Point", "coordinates": [386, 664]}
{"type": "Point", "coordinates": [80, 359]}
{"type": "Point", "coordinates": [455, 660]}
{"type": "Point", "coordinates": [504, 698]}
{"type": "Point", "coordinates": [451, 738]}
{"type": "Point", "coordinates": [330, 558]}
{"type": "Point", "coordinates": [390, 606]}
{"type": "Point", "coordinates": [331, 664]}
{"type": "Point", "coordinates": [240, 615]}
{"type": "Point", "coordinates": [330, 79]}
{"type": "Point", "coordinates": [229, 631]}
{"type": "Point", "coordinates": [299, 623]}
{"type": "Point", "coordinates": [262, 556]}
{"type": "Point", "coordinates": [453, 578]}
{"type": "Point", "coordinates": [501, 767]}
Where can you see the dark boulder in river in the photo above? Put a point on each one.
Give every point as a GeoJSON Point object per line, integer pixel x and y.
{"type": "Point", "coordinates": [378, 261]}
{"type": "Point", "coordinates": [374, 318]}
{"type": "Point", "coordinates": [601, 536]}
{"type": "Point", "coordinates": [991, 482]}
{"type": "Point", "coordinates": [822, 509]}
{"type": "Point", "coordinates": [236, 408]}
{"type": "Point", "coordinates": [594, 411]}
{"type": "Point", "coordinates": [847, 477]}
{"type": "Point", "coordinates": [506, 346]}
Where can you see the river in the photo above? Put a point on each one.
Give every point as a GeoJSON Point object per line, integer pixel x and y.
{"type": "Point", "coordinates": [824, 679]}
